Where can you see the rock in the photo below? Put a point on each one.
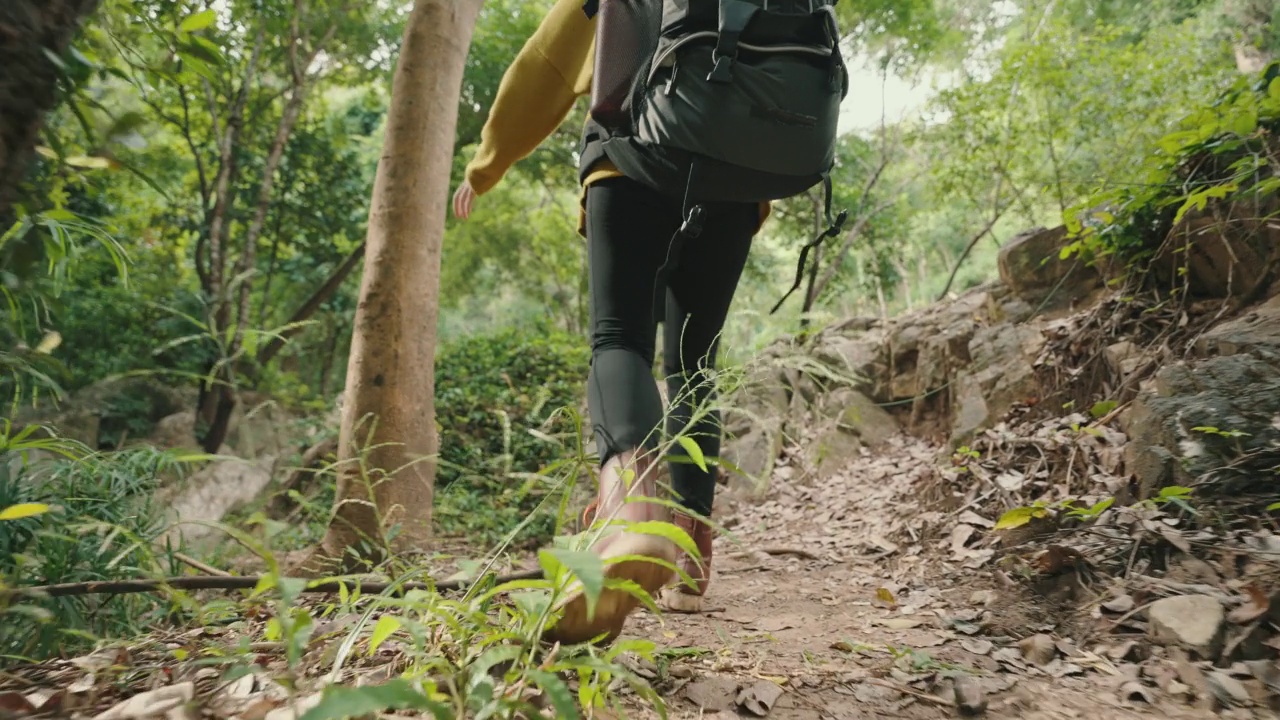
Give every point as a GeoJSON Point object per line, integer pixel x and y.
{"type": "Point", "coordinates": [861, 357]}
{"type": "Point", "coordinates": [1030, 265]}
{"type": "Point", "coordinates": [754, 454]}
{"type": "Point", "coordinates": [754, 426]}
{"type": "Point", "coordinates": [258, 430]}
{"type": "Point", "coordinates": [1000, 375]}
{"type": "Point", "coordinates": [1038, 649]}
{"type": "Point", "coordinates": [210, 493]}
{"type": "Point", "coordinates": [758, 698]}
{"type": "Point", "coordinates": [712, 693]}
{"type": "Point", "coordinates": [859, 416]}
{"type": "Point", "coordinates": [1256, 332]}
{"type": "Point", "coordinates": [1120, 604]}
{"type": "Point", "coordinates": [971, 697]}
{"type": "Point", "coordinates": [175, 432]}
{"type": "Point", "coordinates": [1221, 260]}
{"type": "Point", "coordinates": [1195, 622]}
{"type": "Point", "coordinates": [1123, 357]}
{"type": "Point", "coordinates": [1232, 394]}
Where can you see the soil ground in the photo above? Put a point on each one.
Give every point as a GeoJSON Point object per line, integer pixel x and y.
{"type": "Point", "coordinates": [820, 626]}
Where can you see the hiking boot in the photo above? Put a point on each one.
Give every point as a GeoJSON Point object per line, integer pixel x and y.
{"type": "Point", "coordinates": [681, 597]}
{"type": "Point", "coordinates": [614, 503]}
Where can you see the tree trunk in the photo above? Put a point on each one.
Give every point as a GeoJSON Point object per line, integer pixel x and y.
{"type": "Point", "coordinates": [30, 31]}
{"type": "Point", "coordinates": [387, 442]}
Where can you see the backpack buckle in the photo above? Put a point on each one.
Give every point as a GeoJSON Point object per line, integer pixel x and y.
{"type": "Point", "coordinates": [723, 71]}
{"type": "Point", "coordinates": [692, 225]}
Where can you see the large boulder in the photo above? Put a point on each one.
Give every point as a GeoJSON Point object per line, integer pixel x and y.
{"type": "Point", "coordinates": [1032, 267]}
{"type": "Point", "coordinates": [208, 495]}
{"type": "Point", "coordinates": [1220, 257]}
{"type": "Point", "coordinates": [755, 423]}
{"type": "Point", "coordinates": [845, 421]}
{"type": "Point", "coordinates": [1203, 415]}
{"type": "Point", "coordinates": [111, 412]}
{"type": "Point", "coordinates": [1001, 374]}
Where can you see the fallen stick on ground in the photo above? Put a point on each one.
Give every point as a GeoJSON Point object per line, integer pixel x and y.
{"type": "Point", "coordinates": [798, 552]}
{"type": "Point", "coordinates": [246, 582]}
{"type": "Point", "coordinates": [202, 567]}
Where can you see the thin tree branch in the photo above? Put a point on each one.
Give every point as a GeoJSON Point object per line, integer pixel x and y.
{"type": "Point", "coordinates": [312, 304]}
{"type": "Point", "coordinates": [995, 218]}
{"type": "Point", "coordinates": [246, 582]}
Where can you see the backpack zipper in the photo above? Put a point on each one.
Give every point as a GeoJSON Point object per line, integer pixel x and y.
{"type": "Point", "coordinates": [708, 34]}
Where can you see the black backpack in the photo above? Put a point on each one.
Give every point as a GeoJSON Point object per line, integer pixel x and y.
{"type": "Point", "coordinates": [722, 100]}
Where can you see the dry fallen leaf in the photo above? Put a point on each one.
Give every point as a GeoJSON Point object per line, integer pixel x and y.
{"type": "Point", "coordinates": [1039, 649]}
{"type": "Point", "coordinates": [977, 647]}
{"type": "Point", "coordinates": [1175, 538]}
{"type": "Point", "coordinates": [154, 703]}
{"type": "Point", "coordinates": [1227, 689]}
{"type": "Point", "coordinates": [1120, 604]}
{"type": "Point", "coordinates": [899, 623]}
{"type": "Point", "coordinates": [15, 703]}
{"type": "Point", "coordinates": [960, 535]}
{"type": "Point", "coordinates": [758, 699]}
{"type": "Point", "coordinates": [1259, 604]}
{"type": "Point", "coordinates": [1057, 559]}
{"type": "Point", "coordinates": [1134, 692]}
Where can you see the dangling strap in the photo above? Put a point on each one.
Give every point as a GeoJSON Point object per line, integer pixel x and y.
{"type": "Point", "coordinates": [691, 227]}
{"type": "Point", "coordinates": [833, 229]}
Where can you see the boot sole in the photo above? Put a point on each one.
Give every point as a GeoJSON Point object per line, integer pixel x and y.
{"type": "Point", "coordinates": [614, 606]}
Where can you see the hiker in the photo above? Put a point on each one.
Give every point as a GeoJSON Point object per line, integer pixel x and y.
{"type": "Point", "coordinates": [644, 269]}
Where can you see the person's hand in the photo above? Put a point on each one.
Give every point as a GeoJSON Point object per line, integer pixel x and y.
{"type": "Point", "coordinates": [463, 200]}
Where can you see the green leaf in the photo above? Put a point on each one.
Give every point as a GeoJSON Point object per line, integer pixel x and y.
{"type": "Point", "coordinates": [338, 702]}
{"type": "Point", "coordinates": [202, 50]}
{"type": "Point", "coordinates": [588, 568]}
{"type": "Point", "coordinates": [557, 692]}
{"type": "Point", "coordinates": [86, 161]}
{"type": "Point", "coordinates": [1018, 517]}
{"type": "Point", "coordinates": [695, 453]}
{"type": "Point", "coordinates": [668, 531]}
{"type": "Point", "coordinates": [199, 21]}
{"type": "Point", "coordinates": [1275, 505]}
{"type": "Point", "coordinates": [386, 625]}
{"type": "Point", "coordinates": [1102, 409]}
{"type": "Point", "coordinates": [23, 510]}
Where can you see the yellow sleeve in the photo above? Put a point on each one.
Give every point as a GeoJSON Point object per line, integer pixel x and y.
{"type": "Point", "coordinates": [536, 94]}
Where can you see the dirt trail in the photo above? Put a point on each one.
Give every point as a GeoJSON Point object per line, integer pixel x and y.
{"type": "Point", "coordinates": [822, 629]}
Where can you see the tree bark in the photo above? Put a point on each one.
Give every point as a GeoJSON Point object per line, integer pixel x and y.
{"type": "Point", "coordinates": [29, 79]}
{"type": "Point", "coordinates": [388, 441]}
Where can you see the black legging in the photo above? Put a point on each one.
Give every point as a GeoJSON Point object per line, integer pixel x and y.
{"type": "Point", "coordinates": [629, 230]}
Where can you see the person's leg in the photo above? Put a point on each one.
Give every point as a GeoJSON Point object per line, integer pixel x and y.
{"type": "Point", "coordinates": [628, 230]}
{"type": "Point", "coordinates": [698, 302]}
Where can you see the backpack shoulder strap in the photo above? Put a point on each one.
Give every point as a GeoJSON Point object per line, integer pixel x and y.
{"type": "Point", "coordinates": [735, 15]}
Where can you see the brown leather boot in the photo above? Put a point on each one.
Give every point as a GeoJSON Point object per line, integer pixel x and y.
{"type": "Point", "coordinates": [681, 597]}
{"type": "Point", "coordinates": [616, 502]}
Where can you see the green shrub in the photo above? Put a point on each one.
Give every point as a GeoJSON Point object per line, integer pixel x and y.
{"type": "Point", "coordinates": [100, 527]}
{"type": "Point", "coordinates": [1220, 153]}
{"type": "Point", "coordinates": [494, 395]}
